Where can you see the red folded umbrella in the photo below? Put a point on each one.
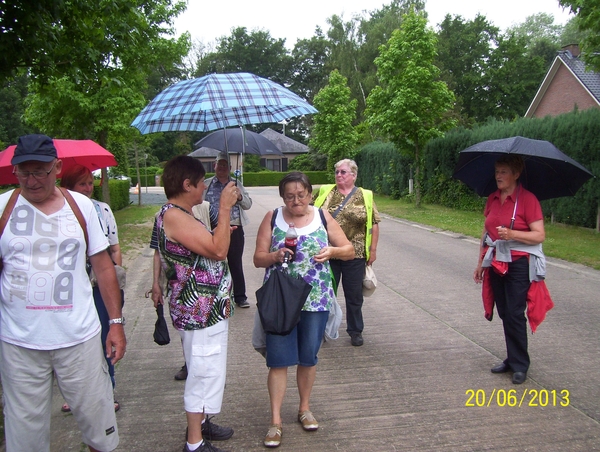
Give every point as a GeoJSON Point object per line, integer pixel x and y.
{"type": "Point", "coordinates": [72, 152]}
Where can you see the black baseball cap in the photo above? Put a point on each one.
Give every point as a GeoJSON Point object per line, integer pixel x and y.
{"type": "Point", "coordinates": [36, 147]}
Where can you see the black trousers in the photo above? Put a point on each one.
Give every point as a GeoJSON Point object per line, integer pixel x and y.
{"type": "Point", "coordinates": [234, 259]}
{"type": "Point", "coordinates": [351, 274]}
{"type": "Point", "coordinates": [510, 295]}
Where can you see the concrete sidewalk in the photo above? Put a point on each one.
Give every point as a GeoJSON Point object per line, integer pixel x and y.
{"type": "Point", "coordinates": [420, 382]}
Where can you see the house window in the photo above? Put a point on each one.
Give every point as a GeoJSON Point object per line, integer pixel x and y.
{"type": "Point", "coordinates": [273, 165]}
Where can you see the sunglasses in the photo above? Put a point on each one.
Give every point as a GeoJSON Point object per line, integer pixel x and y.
{"type": "Point", "coordinates": [342, 172]}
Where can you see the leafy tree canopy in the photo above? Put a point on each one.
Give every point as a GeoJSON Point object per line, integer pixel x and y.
{"type": "Point", "coordinates": [79, 38]}
{"type": "Point", "coordinates": [588, 15]}
{"type": "Point", "coordinates": [411, 104]}
{"type": "Point", "coordinates": [333, 134]}
{"type": "Point", "coordinates": [256, 52]}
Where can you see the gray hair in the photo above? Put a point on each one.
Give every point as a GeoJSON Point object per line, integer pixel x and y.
{"type": "Point", "coordinates": [351, 164]}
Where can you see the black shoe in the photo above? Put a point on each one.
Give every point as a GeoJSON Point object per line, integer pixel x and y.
{"type": "Point", "coordinates": [243, 304]}
{"type": "Point", "coordinates": [204, 447]}
{"type": "Point", "coordinates": [356, 339]}
{"type": "Point", "coordinates": [214, 432]}
{"type": "Point", "coordinates": [519, 377]}
{"type": "Point", "coordinates": [182, 374]}
{"type": "Point", "coordinates": [500, 368]}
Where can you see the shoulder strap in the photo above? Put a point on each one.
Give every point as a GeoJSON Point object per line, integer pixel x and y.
{"type": "Point", "coordinates": [323, 220]}
{"type": "Point", "coordinates": [273, 218]}
{"type": "Point", "coordinates": [10, 205]}
{"type": "Point", "coordinates": [77, 212]}
{"type": "Point", "coordinates": [346, 199]}
{"type": "Point", "coordinates": [321, 214]}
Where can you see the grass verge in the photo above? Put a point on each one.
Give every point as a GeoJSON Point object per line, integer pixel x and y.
{"type": "Point", "coordinates": [570, 243]}
{"type": "Point", "coordinates": [135, 227]}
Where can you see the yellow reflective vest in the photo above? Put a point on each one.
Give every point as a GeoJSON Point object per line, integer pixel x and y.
{"type": "Point", "coordinates": [368, 197]}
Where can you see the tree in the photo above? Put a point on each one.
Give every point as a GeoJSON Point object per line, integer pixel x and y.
{"type": "Point", "coordinates": [410, 105]}
{"type": "Point", "coordinates": [571, 33]}
{"type": "Point", "coordinates": [464, 50]}
{"type": "Point", "coordinates": [333, 133]}
{"type": "Point", "coordinates": [588, 20]}
{"type": "Point", "coordinates": [540, 35]}
{"type": "Point", "coordinates": [513, 78]}
{"type": "Point", "coordinates": [101, 103]}
{"type": "Point", "coordinates": [256, 52]}
{"type": "Point", "coordinates": [12, 108]}
{"type": "Point", "coordinates": [78, 38]}
{"type": "Point", "coordinates": [355, 44]}
{"type": "Point", "coordinates": [309, 67]}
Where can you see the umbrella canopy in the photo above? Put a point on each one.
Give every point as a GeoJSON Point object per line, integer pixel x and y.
{"type": "Point", "coordinates": [548, 173]}
{"type": "Point", "coordinates": [235, 141]}
{"type": "Point", "coordinates": [72, 152]}
{"type": "Point", "coordinates": [217, 101]}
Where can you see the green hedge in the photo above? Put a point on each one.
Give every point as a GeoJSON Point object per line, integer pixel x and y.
{"type": "Point", "coordinates": [119, 193]}
{"type": "Point", "coordinates": [383, 169]}
{"type": "Point", "coordinates": [272, 178]}
{"type": "Point", "coordinates": [577, 134]}
{"type": "Point", "coordinates": [147, 176]}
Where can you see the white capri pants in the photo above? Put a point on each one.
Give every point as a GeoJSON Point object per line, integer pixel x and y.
{"type": "Point", "coordinates": [205, 354]}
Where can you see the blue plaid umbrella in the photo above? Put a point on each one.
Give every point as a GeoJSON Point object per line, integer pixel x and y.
{"type": "Point", "coordinates": [217, 101]}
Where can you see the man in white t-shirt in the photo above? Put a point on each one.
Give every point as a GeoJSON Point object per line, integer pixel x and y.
{"type": "Point", "coordinates": [48, 323]}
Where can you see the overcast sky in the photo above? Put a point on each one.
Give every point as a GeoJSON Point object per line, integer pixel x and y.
{"type": "Point", "coordinates": [209, 20]}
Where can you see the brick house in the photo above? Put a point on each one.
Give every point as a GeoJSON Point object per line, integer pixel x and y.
{"type": "Point", "coordinates": [567, 85]}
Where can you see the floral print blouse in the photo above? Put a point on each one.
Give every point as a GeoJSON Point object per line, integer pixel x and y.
{"type": "Point", "coordinates": [200, 287]}
{"type": "Point", "coordinates": [311, 239]}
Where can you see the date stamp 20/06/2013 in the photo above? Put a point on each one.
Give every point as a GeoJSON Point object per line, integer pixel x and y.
{"type": "Point", "coordinates": [513, 398]}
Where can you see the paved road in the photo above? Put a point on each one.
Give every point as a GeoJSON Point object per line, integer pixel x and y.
{"type": "Point", "coordinates": [427, 353]}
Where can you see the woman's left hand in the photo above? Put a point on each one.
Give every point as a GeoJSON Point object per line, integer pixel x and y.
{"type": "Point", "coordinates": [372, 257]}
{"type": "Point", "coordinates": [503, 232]}
{"type": "Point", "coordinates": [324, 254]}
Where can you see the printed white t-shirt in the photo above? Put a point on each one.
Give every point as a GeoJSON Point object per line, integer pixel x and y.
{"type": "Point", "coordinates": [46, 298]}
{"type": "Point", "coordinates": [107, 222]}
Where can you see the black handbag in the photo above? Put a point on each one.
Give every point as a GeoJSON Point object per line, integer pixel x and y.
{"type": "Point", "coordinates": [161, 332]}
{"type": "Point", "coordinates": [280, 301]}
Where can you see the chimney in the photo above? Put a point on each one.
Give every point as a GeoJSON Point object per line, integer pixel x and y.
{"type": "Point", "coordinates": [573, 49]}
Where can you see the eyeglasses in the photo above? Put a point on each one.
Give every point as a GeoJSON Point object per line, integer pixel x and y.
{"type": "Point", "coordinates": [342, 172]}
{"type": "Point", "coordinates": [37, 175]}
{"type": "Point", "coordinates": [300, 197]}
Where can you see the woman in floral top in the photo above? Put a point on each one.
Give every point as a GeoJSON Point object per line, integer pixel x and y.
{"type": "Point", "coordinates": [200, 301]}
{"type": "Point", "coordinates": [317, 244]}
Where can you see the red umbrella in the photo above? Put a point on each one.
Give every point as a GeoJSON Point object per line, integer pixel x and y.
{"type": "Point", "coordinates": [72, 152]}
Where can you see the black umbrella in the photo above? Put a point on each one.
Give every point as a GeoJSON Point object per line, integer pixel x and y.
{"type": "Point", "coordinates": [232, 141]}
{"type": "Point", "coordinates": [548, 173]}
{"type": "Point", "coordinates": [280, 302]}
{"type": "Point", "coordinates": [161, 332]}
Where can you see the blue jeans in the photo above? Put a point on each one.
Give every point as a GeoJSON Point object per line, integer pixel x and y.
{"type": "Point", "coordinates": [103, 316]}
{"type": "Point", "coordinates": [302, 345]}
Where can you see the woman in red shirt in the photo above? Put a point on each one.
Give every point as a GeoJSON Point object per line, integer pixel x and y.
{"type": "Point", "coordinates": [513, 218]}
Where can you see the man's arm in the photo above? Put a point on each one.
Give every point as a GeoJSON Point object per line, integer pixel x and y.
{"type": "Point", "coordinates": [111, 295]}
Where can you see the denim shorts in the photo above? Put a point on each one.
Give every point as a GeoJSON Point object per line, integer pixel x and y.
{"type": "Point", "coordinates": [301, 346]}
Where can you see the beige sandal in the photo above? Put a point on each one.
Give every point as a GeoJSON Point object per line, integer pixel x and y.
{"type": "Point", "coordinates": [273, 438]}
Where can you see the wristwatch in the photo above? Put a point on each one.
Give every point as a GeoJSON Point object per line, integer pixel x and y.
{"type": "Point", "coordinates": [120, 320]}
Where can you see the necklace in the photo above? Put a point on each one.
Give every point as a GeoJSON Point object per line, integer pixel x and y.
{"type": "Point", "coordinates": [299, 220]}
